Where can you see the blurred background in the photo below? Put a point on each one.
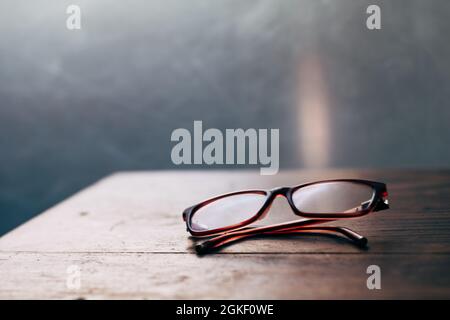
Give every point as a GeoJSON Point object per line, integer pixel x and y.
{"type": "Point", "coordinates": [78, 105]}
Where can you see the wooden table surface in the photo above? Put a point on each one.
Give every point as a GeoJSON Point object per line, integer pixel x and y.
{"type": "Point", "coordinates": [126, 236]}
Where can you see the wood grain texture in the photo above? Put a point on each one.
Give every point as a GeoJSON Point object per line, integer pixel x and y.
{"type": "Point", "coordinates": [127, 235]}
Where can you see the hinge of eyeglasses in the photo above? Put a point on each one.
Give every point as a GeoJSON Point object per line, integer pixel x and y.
{"type": "Point", "coordinates": [383, 204]}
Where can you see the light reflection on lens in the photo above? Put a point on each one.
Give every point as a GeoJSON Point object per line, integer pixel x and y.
{"type": "Point", "coordinates": [333, 197]}
{"type": "Point", "coordinates": [227, 211]}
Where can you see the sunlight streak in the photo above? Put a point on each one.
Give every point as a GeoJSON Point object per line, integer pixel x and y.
{"type": "Point", "coordinates": [313, 113]}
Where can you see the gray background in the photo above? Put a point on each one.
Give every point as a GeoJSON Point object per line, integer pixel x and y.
{"type": "Point", "coordinates": [77, 105]}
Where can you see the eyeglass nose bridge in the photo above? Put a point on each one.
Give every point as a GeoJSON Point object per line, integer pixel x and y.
{"type": "Point", "coordinates": [272, 194]}
{"type": "Point", "coordinates": [279, 191]}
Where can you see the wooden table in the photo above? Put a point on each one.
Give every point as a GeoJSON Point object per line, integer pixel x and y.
{"type": "Point", "coordinates": [126, 237]}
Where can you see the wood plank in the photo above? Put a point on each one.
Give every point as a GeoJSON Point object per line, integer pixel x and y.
{"type": "Point", "coordinates": [130, 212]}
{"type": "Point", "coordinates": [127, 235]}
{"type": "Point", "coordinates": [225, 276]}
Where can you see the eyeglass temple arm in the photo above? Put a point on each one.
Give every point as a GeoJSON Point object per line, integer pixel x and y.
{"type": "Point", "coordinates": [352, 235]}
{"type": "Point", "coordinates": [257, 230]}
{"type": "Point", "coordinates": [219, 241]}
{"type": "Point", "coordinates": [282, 228]}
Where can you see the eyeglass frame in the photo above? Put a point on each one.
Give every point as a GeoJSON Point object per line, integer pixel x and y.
{"type": "Point", "coordinates": [378, 202]}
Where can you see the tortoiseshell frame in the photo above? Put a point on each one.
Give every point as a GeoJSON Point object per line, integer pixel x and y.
{"type": "Point", "coordinates": [378, 202]}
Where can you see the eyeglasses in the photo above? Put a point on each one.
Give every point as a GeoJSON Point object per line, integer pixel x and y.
{"type": "Point", "coordinates": [226, 216]}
